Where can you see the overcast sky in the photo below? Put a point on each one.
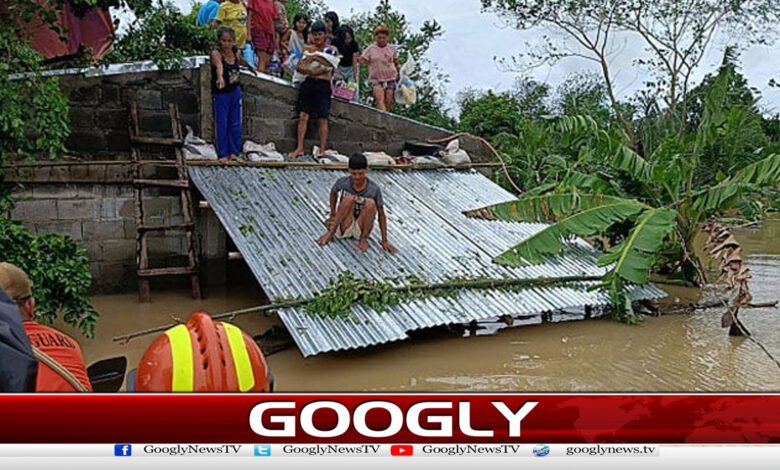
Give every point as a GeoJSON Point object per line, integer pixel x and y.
{"type": "Point", "coordinates": [472, 39]}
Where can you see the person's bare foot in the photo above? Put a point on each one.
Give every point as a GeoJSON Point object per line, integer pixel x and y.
{"type": "Point", "coordinates": [363, 246]}
{"type": "Point", "coordinates": [325, 239]}
{"type": "Point", "coordinates": [224, 161]}
{"type": "Point", "coordinates": [296, 153]}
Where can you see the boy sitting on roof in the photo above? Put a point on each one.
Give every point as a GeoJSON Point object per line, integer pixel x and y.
{"type": "Point", "coordinates": [361, 202]}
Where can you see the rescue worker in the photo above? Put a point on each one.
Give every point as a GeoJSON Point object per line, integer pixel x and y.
{"type": "Point", "coordinates": [18, 367]}
{"type": "Point", "coordinates": [203, 355]}
{"type": "Point", "coordinates": [61, 365]}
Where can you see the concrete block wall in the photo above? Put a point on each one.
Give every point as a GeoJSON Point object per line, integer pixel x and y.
{"type": "Point", "coordinates": [98, 216]}
{"type": "Point", "coordinates": [99, 117]}
{"type": "Point", "coordinates": [93, 204]}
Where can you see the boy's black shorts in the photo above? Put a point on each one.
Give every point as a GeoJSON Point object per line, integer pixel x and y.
{"type": "Point", "coordinates": [314, 98]}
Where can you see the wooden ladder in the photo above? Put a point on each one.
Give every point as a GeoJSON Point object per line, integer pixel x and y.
{"type": "Point", "coordinates": [145, 273]}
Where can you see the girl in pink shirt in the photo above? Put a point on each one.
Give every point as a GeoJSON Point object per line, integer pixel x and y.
{"type": "Point", "coordinates": [382, 60]}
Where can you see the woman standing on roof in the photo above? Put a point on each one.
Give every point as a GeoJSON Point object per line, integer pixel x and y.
{"type": "Point", "coordinates": [382, 60]}
{"type": "Point", "coordinates": [226, 89]}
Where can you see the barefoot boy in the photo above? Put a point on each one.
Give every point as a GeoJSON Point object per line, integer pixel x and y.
{"type": "Point", "coordinates": [361, 202]}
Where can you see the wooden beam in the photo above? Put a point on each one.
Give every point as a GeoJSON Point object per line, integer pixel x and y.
{"type": "Point", "coordinates": [339, 167]}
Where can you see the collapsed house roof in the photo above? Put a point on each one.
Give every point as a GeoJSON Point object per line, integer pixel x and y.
{"type": "Point", "coordinates": [275, 215]}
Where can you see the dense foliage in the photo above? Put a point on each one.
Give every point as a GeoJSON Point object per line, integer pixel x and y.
{"type": "Point", "coordinates": [648, 205]}
{"type": "Point", "coordinates": [164, 35]}
{"type": "Point", "coordinates": [33, 115]}
{"type": "Point", "coordinates": [33, 122]}
{"type": "Point", "coordinates": [59, 270]}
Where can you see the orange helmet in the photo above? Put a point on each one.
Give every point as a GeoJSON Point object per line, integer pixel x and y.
{"type": "Point", "coordinates": [203, 355]}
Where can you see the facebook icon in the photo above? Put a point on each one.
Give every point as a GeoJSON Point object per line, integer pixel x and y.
{"type": "Point", "coordinates": [262, 450]}
{"type": "Point", "coordinates": [123, 450]}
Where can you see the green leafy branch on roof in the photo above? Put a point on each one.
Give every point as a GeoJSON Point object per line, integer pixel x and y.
{"type": "Point", "coordinates": [336, 300]}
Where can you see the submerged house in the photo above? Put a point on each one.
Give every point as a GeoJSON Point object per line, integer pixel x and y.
{"type": "Point", "coordinates": [273, 215]}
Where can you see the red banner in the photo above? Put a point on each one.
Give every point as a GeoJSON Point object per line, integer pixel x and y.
{"type": "Point", "coordinates": [392, 418]}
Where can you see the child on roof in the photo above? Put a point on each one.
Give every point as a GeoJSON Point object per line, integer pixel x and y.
{"type": "Point", "coordinates": [232, 14]}
{"type": "Point", "coordinates": [225, 87]}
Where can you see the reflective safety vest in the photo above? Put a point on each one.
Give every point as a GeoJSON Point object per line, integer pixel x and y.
{"type": "Point", "coordinates": [203, 355]}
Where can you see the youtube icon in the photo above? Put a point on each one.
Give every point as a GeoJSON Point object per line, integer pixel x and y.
{"type": "Point", "coordinates": [401, 450]}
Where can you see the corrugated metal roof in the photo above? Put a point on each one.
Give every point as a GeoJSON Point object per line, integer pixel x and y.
{"type": "Point", "coordinates": [274, 217]}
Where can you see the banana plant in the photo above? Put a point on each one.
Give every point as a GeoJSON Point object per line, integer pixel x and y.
{"type": "Point", "coordinates": [656, 204]}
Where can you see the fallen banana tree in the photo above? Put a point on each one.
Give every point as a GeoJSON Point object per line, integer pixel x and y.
{"type": "Point", "coordinates": [651, 209]}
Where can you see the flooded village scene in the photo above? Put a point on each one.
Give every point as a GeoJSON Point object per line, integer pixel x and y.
{"type": "Point", "coordinates": [389, 196]}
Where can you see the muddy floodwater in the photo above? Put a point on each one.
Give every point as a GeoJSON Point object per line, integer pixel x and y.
{"type": "Point", "coordinates": [675, 352]}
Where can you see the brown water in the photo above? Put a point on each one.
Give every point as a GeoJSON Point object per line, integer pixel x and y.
{"type": "Point", "coordinates": [676, 352]}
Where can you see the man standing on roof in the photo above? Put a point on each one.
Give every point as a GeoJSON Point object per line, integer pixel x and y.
{"type": "Point", "coordinates": [318, 65]}
{"type": "Point", "coordinates": [360, 203]}
{"type": "Point", "coordinates": [61, 367]}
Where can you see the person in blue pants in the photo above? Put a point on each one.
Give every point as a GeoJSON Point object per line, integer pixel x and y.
{"type": "Point", "coordinates": [226, 89]}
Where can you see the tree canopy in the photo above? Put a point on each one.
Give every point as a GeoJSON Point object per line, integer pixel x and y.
{"type": "Point", "coordinates": [34, 122]}
{"type": "Point", "coordinates": [675, 34]}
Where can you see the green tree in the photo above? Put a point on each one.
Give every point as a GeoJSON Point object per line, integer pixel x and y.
{"type": "Point", "coordinates": [739, 138]}
{"type": "Point", "coordinates": [315, 9]}
{"type": "Point", "coordinates": [583, 94]}
{"type": "Point", "coordinates": [59, 271]}
{"type": "Point", "coordinates": [33, 115]}
{"type": "Point", "coordinates": [488, 114]}
{"type": "Point", "coordinates": [532, 98]}
{"type": "Point", "coordinates": [163, 34]}
{"type": "Point", "coordinates": [652, 207]}
{"type": "Point", "coordinates": [33, 122]}
{"type": "Point", "coordinates": [676, 34]}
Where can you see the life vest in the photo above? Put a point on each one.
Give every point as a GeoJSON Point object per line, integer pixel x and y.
{"type": "Point", "coordinates": [203, 355]}
{"type": "Point", "coordinates": [65, 351]}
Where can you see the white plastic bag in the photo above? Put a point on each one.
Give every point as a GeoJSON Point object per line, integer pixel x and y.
{"type": "Point", "coordinates": [406, 92]}
{"type": "Point", "coordinates": [330, 157]}
{"type": "Point", "coordinates": [427, 162]}
{"type": "Point", "coordinates": [195, 148]}
{"type": "Point", "coordinates": [379, 158]}
{"type": "Point", "coordinates": [262, 153]}
{"type": "Point", "coordinates": [453, 155]}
